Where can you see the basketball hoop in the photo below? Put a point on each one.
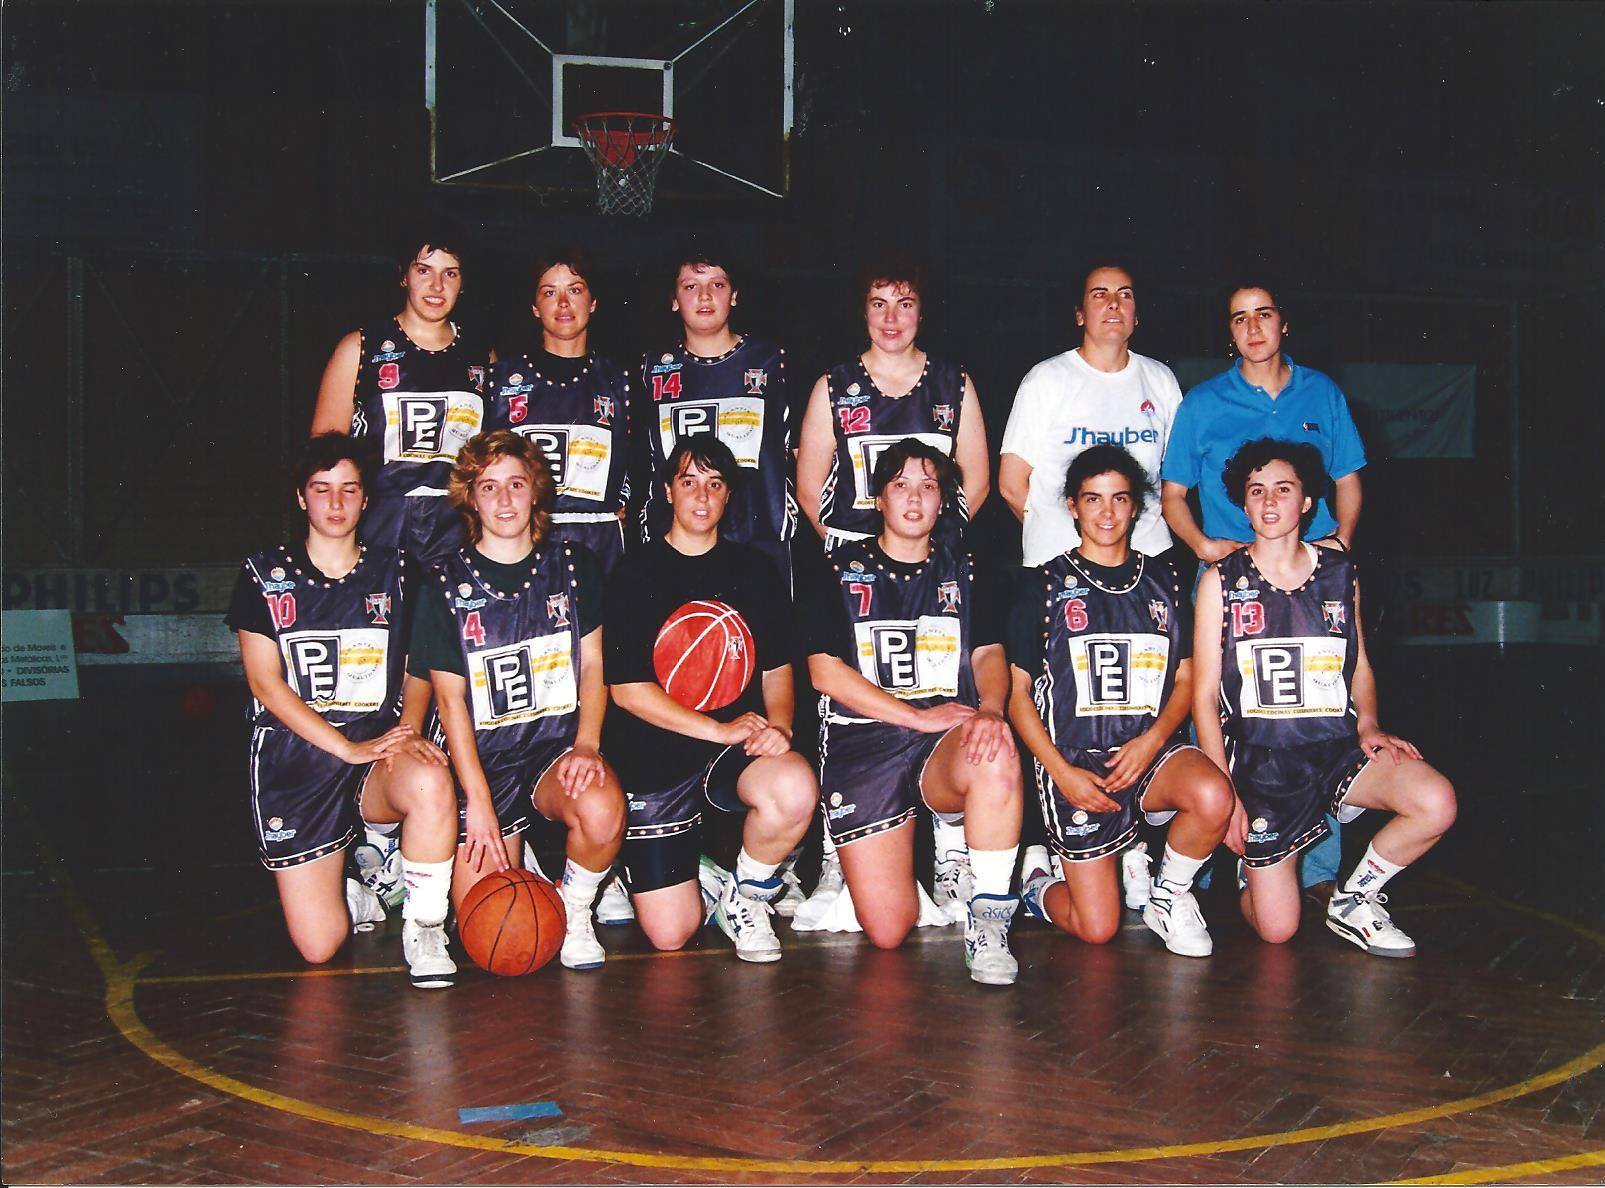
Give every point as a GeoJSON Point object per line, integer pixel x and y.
{"type": "Point", "coordinates": [627, 148]}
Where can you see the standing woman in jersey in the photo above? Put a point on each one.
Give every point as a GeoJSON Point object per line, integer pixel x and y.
{"type": "Point", "coordinates": [410, 384]}
{"type": "Point", "coordinates": [857, 410]}
{"type": "Point", "coordinates": [510, 635]}
{"type": "Point", "coordinates": [322, 623]}
{"type": "Point", "coordinates": [574, 405]}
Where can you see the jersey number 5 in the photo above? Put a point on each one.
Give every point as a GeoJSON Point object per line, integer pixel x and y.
{"type": "Point", "coordinates": [473, 629]}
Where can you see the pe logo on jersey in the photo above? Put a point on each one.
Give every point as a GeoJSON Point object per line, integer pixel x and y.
{"type": "Point", "coordinates": [755, 380]}
{"type": "Point", "coordinates": [1335, 616]}
{"type": "Point", "coordinates": [557, 609]}
{"type": "Point", "coordinates": [378, 607]}
{"type": "Point", "coordinates": [942, 414]}
{"type": "Point", "coordinates": [1159, 613]}
{"type": "Point", "coordinates": [948, 595]}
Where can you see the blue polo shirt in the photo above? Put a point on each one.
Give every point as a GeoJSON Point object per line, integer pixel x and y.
{"type": "Point", "coordinates": [1218, 416]}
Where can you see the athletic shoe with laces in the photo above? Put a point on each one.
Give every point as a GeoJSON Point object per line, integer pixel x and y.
{"type": "Point", "coordinates": [1176, 920]}
{"type": "Point", "coordinates": [1361, 920]}
{"type": "Point", "coordinates": [366, 910]}
{"type": "Point", "coordinates": [1136, 877]}
{"type": "Point", "coordinates": [711, 881]}
{"type": "Point", "coordinates": [613, 906]}
{"type": "Point", "coordinates": [1038, 875]}
{"type": "Point", "coordinates": [953, 884]}
{"type": "Point", "coordinates": [379, 868]}
{"type": "Point", "coordinates": [743, 915]}
{"type": "Point", "coordinates": [581, 949]}
{"type": "Point", "coordinates": [986, 939]}
{"type": "Point", "coordinates": [791, 897]}
{"type": "Point", "coordinates": [817, 907]}
{"type": "Point", "coordinates": [424, 947]}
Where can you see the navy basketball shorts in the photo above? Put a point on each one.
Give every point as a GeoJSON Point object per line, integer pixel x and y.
{"type": "Point", "coordinates": [663, 835]}
{"type": "Point", "coordinates": [871, 776]}
{"type": "Point", "coordinates": [512, 785]}
{"type": "Point", "coordinates": [1288, 792]}
{"type": "Point", "coordinates": [605, 538]}
{"type": "Point", "coordinates": [303, 799]}
{"type": "Point", "coordinates": [426, 526]}
{"type": "Point", "coordinates": [1080, 836]}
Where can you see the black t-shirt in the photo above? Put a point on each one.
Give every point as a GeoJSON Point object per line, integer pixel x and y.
{"type": "Point", "coordinates": [1025, 611]}
{"type": "Point", "coordinates": [642, 592]}
{"type": "Point", "coordinates": [828, 630]}
{"type": "Point", "coordinates": [434, 642]}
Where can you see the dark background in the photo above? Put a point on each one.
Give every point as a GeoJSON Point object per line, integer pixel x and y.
{"type": "Point", "coordinates": [1420, 181]}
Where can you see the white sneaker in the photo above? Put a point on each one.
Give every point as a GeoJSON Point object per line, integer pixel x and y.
{"type": "Point", "coordinates": [791, 898]}
{"type": "Point", "coordinates": [814, 910]}
{"type": "Point", "coordinates": [424, 947]}
{"type": "Point", "coordinates": [532, 864]}
{"type": "Point", "coordinates": [1136, 878]}
{"type": "Point", "coordinates": [986, 939]}
{"type": "Point", "coordinates": [1361, 920]}
{"type": "Point", "coordinates": [1036, 876]}
{"type": "Point", "coordinates": [953, 884]}
{"type": "Point", "coordinates": [379, 868]}
{"type": "Point", "coordinates": [1178, 922]}
{"type": "Point", "coordinates": [613, 906]}
{"type": "Point", "coordinates": [581, 949]}
{"type": "Point", "coordinates": [743, 915]}
{"type": "Point", "coordinates": [711, 881]}
{"type": "Point", "coordinates": [364, 906]}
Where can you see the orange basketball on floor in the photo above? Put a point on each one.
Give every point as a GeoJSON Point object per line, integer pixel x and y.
{"type": "Point", "coordinates": [512, 922]}
{"type": "Point", "coordinates": [704, 655]}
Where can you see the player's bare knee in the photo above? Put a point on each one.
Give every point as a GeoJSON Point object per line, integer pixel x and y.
{"type": "Point", "coordinates": [1213, 799]}
{"type": "Point", "coordinates": [669, 936]}
{"type": "Point", "coordinates": [1096, 929]}
{"type": "Point", "coordinates": [887, 932]}
{"type": "Point", "coordinates": [319, 949]}
{"type": "Point", "coordinates": [1436, 803]}
{"type": "Point", "coordinates": [600, 814]}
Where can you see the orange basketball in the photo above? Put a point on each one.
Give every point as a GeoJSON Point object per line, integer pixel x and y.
{"type": "Point", "coordinates": [704, 655]}
{"type": "Point", "coordinates": [512, 922]}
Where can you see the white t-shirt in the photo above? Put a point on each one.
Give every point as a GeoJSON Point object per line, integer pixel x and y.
{"type": "Point", "coordinates": [1063, 406]}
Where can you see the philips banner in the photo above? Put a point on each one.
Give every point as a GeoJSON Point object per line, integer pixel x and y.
{"type": "Point", "coordinates": [1403, 410]}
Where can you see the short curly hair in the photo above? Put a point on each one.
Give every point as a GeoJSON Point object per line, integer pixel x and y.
{"type": "Point", "coordinates": [482, 452]}
{"type": "Point", "coordinates": [1106, 459]}
{"type": "Point", "coordinates": [1304, 458]}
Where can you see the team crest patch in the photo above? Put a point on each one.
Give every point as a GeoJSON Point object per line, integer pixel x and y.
{"type": "Point", "coordinates": [755, 379]}
{"type": "Point", "coordinates": [1335, 615]}
{"type": "Point", "coordinates": [1159, 613]}
{"type": "Point", "coordinates": [602, 406]}
{"type": "Point", "coordinates": [948, 595]}
{"type": "Point", "coordinates": [379, 609]}
{"type": "Point", "coordinates": [944, 416]}
{"type": "Point", "coordinates": [557, 609]}
{"type": "Point", "coordinates": [476, 376]}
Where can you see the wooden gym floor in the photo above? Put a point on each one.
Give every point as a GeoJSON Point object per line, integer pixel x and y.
{"type": "Point", "coordinates": [159, 1029]}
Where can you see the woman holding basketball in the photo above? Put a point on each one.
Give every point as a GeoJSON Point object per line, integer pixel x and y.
{"type": "Point", "coordinates": [510, 636]}
{"type": "Point", "coordinates": [699, 654]}
{"type": "Point", "coordinates": [322, 624]}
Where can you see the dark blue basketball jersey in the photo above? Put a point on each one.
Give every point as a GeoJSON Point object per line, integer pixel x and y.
{"type": "Point", "coordinates": [911, 626]}
{"type": "Point", "coordinates": [740, 397]}
{"type": "Point", "coordinates": [1109, 656]}
{"type": "Point", "coordinates": [418, 407]}
{"type": "Point", "coordinates": [343, 642]}
{"type": "Point", "coordinates": [581, 425]}
{"type": "Point", "coordinates": [1287, 658]}
{"type": "Point", "coordinates": [521, 652]}
{"type": "Point", "coordinates": [866, 421]}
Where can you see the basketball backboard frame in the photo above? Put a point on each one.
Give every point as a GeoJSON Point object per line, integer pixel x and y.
{"type": "Point", "coordinates": [543, 74]}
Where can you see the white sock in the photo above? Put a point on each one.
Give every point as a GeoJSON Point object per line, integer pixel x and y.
{"type": "Point", "coordinates": [949, 836]}
{"type": "Point", "coordinates": [830, 847]}
{"type": "Point", "coordinates": [750, 870]}
{"type": "Point", "coordinates": [1176, 873]}
{"type": "Point", "coordinates": [582, 884]}
{"type": "Point", "coordinates": [1371, 875]}
{"type": "Point", "coordinates": [428, 891]}
{"type": "Point", "coordinates": [993, 869]}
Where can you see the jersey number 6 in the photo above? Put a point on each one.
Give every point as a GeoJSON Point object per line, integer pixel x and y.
{"type": "Point", "coordinates": [1075, 615]}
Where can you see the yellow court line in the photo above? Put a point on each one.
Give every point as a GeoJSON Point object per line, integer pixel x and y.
{"type": "Point", "coordinates": [1515, 1171]}
{"type": "Point", "coordinates": [121, 980]}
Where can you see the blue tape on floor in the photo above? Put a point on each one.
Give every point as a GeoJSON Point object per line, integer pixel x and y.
{"type": "Point", "coordinates": [509, 1113]}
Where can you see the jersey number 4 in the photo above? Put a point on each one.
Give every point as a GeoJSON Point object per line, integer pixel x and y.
{"type": "Point", "coordinates": [473, 629]}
